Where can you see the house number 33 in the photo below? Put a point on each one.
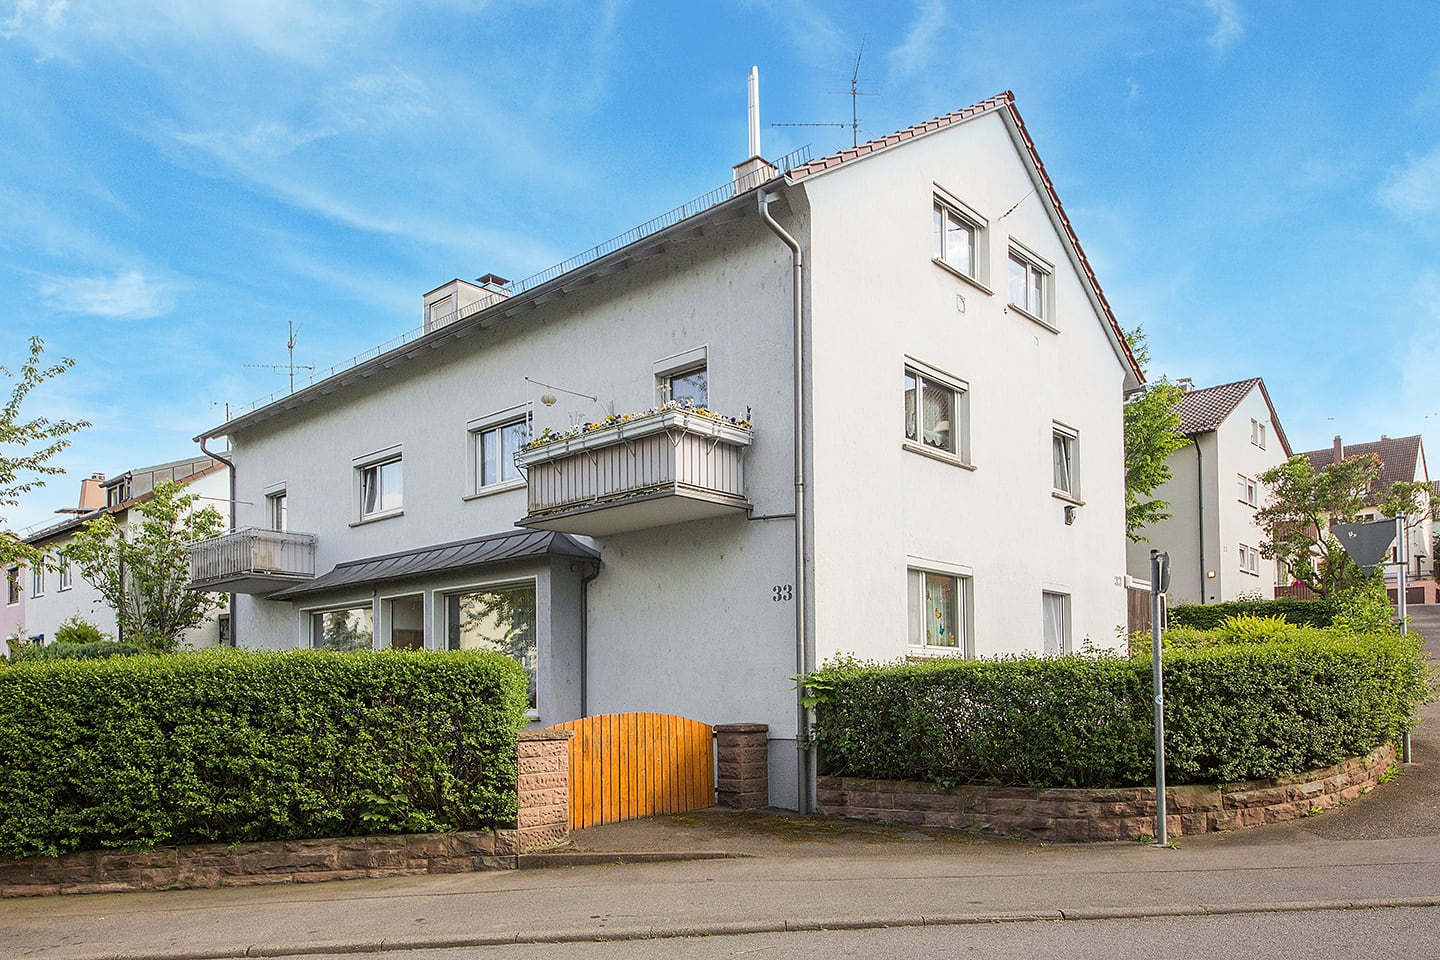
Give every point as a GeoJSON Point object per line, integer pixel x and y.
{"type": "Point", "coordinates": [782, 593]}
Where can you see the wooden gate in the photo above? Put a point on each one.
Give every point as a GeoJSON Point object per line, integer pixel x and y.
{"type": "Point", "coordinates": [629, 765]}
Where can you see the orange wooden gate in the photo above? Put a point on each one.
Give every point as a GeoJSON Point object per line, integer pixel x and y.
{"type": "Point", "coordinates": [629, 765]}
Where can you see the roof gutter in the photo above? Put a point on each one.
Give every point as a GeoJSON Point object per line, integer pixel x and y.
{"type": "Point", "coordinates": [804, 643]}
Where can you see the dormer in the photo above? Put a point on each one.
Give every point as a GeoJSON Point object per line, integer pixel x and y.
{"type": "Point", "coordinates": [459, 298]}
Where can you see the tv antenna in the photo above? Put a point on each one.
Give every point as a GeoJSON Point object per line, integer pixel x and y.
{"type": "Point", "coordinates": [855, 94]}
{"type": "Point", "coordinates": [291, 366]}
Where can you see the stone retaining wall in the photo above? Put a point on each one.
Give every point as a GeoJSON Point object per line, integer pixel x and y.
{"type": "Point", "coordinates": [1105, 814]}
{"type": "Point", "coordinates": [543, 820]}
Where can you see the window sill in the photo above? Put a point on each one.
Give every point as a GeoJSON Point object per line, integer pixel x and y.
{"type": "Point", "coordinates": [930, 653]}
{"type": "Point", "coordinates": [1032, 318]}
{"type": "Point", "coordinates": [1068, 498]}
{"type": "Point", "coordinates": [493, 489]}
{"type": "Point", "coordinates": [376, 517]}
{"type": "Point", "coordinates": [65, 589]}
{"type": "Point", "coordinates": [942, 455]}
{"type": "Point", "coordinates": [977, 284]}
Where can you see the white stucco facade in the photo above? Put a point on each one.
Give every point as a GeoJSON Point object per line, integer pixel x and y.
{"type": "Point", "coordinates": [699, 618]}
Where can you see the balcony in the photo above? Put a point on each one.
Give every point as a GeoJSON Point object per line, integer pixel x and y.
{"type": "Point", "coordinates": [251, 560]}
{"type": "Point", "coordinates": [633, 473]}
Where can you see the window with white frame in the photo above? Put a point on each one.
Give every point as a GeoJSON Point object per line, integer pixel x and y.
{"type": "Point", "coordinates": [277, 512]}
{"type": "Point", "coordinates": [37, 581]}
{"type": "Point", "coordinates": [495, 448]}
{"type": "Point", "coordinates": [1249, 560]}
{"type": "Point", "coordinates": [1258, 429]}
{"type": "Point", "coordinates": [12, 585]}
{"type": "Point", "coordinates": [345, 629]}
{"type": "Point", "coordinates": [1064, 456]}
{"type": "Point", "coordinates": [936, 412]}
{"type": "Point", "coordinates": [689, 387]}
{"type": "Point", "coordinates": [1055, 610]}
{"type": "Point", "coordinates": [500, 618]}
{"type": "Point", "coordinates": [938, 611]}
{"type": "Point", "coordinates": [66, 575]}
{"type": "Point", "coordinates": [381, 487]}
{"type": "Point", "coordinates": [1029, 282]}
{"type": "Point", "coordinates": [1249, 489]}
{"type": "Point", "coordinates": [958, 238]}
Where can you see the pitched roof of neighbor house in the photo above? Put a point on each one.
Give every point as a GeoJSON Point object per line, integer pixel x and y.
{"type": "Point", "coordinates": [144, 480]}
{"type": "Point", "coordinates": [1203, 410]}
{"type": "Point", "coordinates": [1000, 102]}
{"type": "Point", "coordinates": [1398, 458]}
{"type": "Point", "coordinates": [487, 551]}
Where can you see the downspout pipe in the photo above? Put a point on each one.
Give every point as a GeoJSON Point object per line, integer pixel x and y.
{"type": "Point", "coordinates": [585, 637]}
{"type": "Point", "coordinates": [804, 644]}
{"type": "Point", "coordinates": [230, 465]}
{"type": "Point", "coordinates": [1200, 506]}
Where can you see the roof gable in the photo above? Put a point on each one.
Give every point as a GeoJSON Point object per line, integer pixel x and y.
{"type": "Point", "coordinates": [1399, 457]}
{"type": "Point", "coordinates": [1204, 410]}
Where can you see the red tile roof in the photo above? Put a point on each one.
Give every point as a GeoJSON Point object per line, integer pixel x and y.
{"type": "Point", "coordinates": [1205, 409]}
{"type": "Point", "coordinates": [1000, 102]}
{"type": "Point", "coordinates": [1399, 457]}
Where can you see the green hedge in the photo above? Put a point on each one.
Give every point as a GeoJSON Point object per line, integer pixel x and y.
{"type": "Point", "coordinates": [1233, 712]}
{"type": "Point", "coordinates": [98, 650]}
{"type": "Point", "coordinates": [134, 752]}
{"type": "Point", "coordinates": [1207, 616]}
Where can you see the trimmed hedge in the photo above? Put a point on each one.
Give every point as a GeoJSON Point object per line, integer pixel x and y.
{"type": "Point", "coordinates": [1207, 616]}
{"type": "Point", "coordinates": [226, 746]}
{"type": "Point", "coordinates": [1232, 713]}
{"type": "Point", "coordinates": [59, 650]}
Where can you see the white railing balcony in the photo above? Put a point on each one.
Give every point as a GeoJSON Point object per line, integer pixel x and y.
{"type": "Point", "coordinates": [655, 469]}
{"type": "Point", "coordinates": [251, 560]}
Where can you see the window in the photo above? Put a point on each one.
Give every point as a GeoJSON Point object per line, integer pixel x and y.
{"type": "Point", "coordinates": [497, 618]}
{"type": "Point", "coordinates": [66, 575]}
{"type": "Point", "coordinates": [690, 387]}
{"type": "Point", "coordinates": [12, 585]}
{"type": "Point", "coordinates": [495, 452]}
{"type": "Point", "coordinates": [1257, 433]}
{"type": "Point", "coordinates": [1029, 286]}
{"type": "Point", "coordinates": [118, 493]}
{"type": "Point", "coordinates": [37, 582]}
{"type": "Point", "coordinates": [1065, 448]}
{"type": "Point", "coordinates": [276, 511]}
{"type": "Point", "coordinates": [1055, 609]}
{"type": "Point", "coordinates": [935, 413]}
{"type": "Point", "coordinates": [1249, 490]}
{"type": "Point", "coordinates": [1249, 560]}
{"type": "Point", "coordinates": [955, 237]}
{"type": "Point", "coordinates": [352, 628]}
{"type": "Point", "coordinates": [381, 488]}
{"type": "Point", "coordinates": [937, 607]}
{"type": "Point", "coordinates": [439, 311]}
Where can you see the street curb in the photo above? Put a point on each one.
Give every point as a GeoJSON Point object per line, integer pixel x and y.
{"type": "Point", "coordinates": [736, 928]}
{"type": "Point", "coordinates": [531, 861]}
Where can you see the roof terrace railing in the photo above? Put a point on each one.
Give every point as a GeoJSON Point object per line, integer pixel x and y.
{"type": "Point", "coordinates": [701, 203]}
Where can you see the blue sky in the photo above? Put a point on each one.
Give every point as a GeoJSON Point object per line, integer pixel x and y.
{"type": "Point", "coordinates": [1258, 183]}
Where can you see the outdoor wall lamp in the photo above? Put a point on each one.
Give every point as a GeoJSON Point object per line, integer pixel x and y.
{"type": "Point", "coordinates": [1069, 514]}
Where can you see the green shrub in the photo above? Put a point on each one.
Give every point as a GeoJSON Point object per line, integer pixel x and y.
{"type": "Point", "coordinates": [96, 650]}
{"type": "Point", "coordinates": [1207, 616]}
{"type": "Point", "coordinates": [1234, 711]}
{"type": "Point", "coordinates": [77, 629]}
{"type": "Point", "coordinates": [226, 746]}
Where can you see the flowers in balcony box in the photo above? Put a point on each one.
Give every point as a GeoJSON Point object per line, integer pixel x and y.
{"type": "Point", "coordinates": [615, 419]}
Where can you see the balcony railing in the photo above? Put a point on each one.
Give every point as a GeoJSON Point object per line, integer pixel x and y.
{"type": "Point", "coordinates": [251, 560]}
{"type": "Point", "coordinates": [651, 471]}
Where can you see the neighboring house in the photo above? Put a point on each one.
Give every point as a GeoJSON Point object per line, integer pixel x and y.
{"type": "Point", "coordinates": [12, 604]}
{"type": "Point", "coordinates": [1401, 458]}
{"type": "Point", "coordinates": [959, 492]}
{"type": "Point", "coordinates": [55, 595]}
{"type": "Point", "coordinates": [1214, 491]}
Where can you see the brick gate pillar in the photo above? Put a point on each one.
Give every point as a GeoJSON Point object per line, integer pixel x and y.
{"type": "Point", "coordinates": [742, 758]}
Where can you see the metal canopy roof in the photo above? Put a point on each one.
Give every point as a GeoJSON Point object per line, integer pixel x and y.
{"type": "Point", "coordinates": [445, 558]}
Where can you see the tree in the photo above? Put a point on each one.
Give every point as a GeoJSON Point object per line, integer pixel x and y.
{"type": "Point", "coordinates": [1152, 433]}
{"type": "Point", "coordinates": [28, 446]}
{"type": "Point", "coordinates": [1302, 504]}
{"type": "Point", "coordinates": [141, 569]}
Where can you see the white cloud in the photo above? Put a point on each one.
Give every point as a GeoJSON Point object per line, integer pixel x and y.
{"type": "Point", "coordinates": [812, 34]}
{"type": "Point", "coordinates": [918, 50]}
{"type": "Point", "coordinates": [1414, 189]}
{"type": "Point", "coordinates": [1228, 26]}
{"type": "Point", "coordinates": [129, 294]}
{"type": "Point", "coordinates": [49, 14]}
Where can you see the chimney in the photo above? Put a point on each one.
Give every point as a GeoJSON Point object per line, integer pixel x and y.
{"type": "Point", "coordinates": [92, 495]}
{"type": "Point", "coordinates": [1339, 451]}
{"type": "Point", "coordinates": [1186, 384]}
{"type": "Point", "coordinates": [756, 170]}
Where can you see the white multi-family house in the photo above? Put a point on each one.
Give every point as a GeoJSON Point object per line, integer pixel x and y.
{"type": "Point", "coordinates": [1401, 458]}
{"type": "Point", "coordinates": [57, 592]}
{"type": "Point", "coordinates": [868, 404]}
{"type": "Point", "coordinates": [1214, 491]}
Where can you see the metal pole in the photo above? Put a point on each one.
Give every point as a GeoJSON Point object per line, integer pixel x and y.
{"type": "Point", "coordinates": [1159, 687]}
{"type": "Point", "coordinates": [1400, 608]}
